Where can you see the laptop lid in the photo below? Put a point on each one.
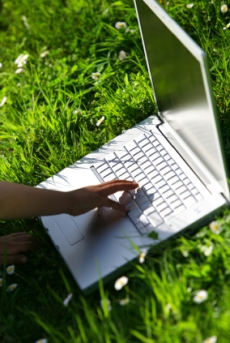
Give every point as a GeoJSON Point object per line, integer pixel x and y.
{"type": "Point", "coordinates": [179, 76]}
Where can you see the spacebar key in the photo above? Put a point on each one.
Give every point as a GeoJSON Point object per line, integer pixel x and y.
{"type": "Point", "coordinates": [155, 219]}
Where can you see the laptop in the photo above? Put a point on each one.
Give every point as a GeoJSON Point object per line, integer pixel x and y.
{"type": "Point", "coordinates": [175, 155]}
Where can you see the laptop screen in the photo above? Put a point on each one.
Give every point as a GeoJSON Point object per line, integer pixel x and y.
{"type": "Point", "coordinates": [179, 89]}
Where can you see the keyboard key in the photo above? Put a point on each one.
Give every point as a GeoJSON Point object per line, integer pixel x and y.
{"type": "Point", "coordinates": [161, 207]}
{"type": "Point", "coordinates": [185, 194]}
{"type": "Point", "coordinates": [198, 197]}
{"type": "Point", "coordinates": [179, 209]}
{"type": "Point", "coordinates": [145, 165]}
{"type": "Point", "coordinates": [169, 175]}
{"type": "Point", "coordinates": [146, 187]}
{"type": "Point", "coordinates": [139, 177]}
{"type": "Point", "coordinates": [155, 219]}
{"type": "Point", "coordinates": [158, 201]}
{"type": "Point", "coordinates": [121, 171]}
{"type": "Point", "coordinates": [158, 160]}
{"type": "Point", "coordinates": [122, 154]}
{"type": "Point", "coordinates": [156, 179]}
{"type": "Point", "coordinates": [125, 199]}
{"type": "Point", "coordinates": [135, 172]}
{"type": "Point", "coordinates": [143, 219]}
{"type": "Point", "coordinates": [168, 193]}
{"type": "Point", "coordinates": [152, 174]}
{"type": "Point", "coordinates": [143, 142]}
{"type": "Point", "coordinates": [124, 176]}
{"type": "Point", "coordinates": [162, 165]}
{"type": "Point", "coordinates": [166, 212]}
{"type": "Point", "coordinates": [166, 170]}
{"type": "Point", "coordinates": [160, 183]}
{"type": "Point", "coordinates": [189, 201]}
{"type": "Point", "coordinates": [174, 166]}
{"type": "Point", "coordinates": [138, 155]}
{"type": "Point", "coordinates": [183, 176]}
{"type": "Point", "coordinates": [149, 153]}
{"type": "Point", "coordinates": [152, 194]}
{"type": "Point", "coordinates": [117, 167]}
{"type": "Point", "coordinates": [194, 191]}
{"type": "Point", "coordinates": [182, 189]}
{"type": "Point", "coordinates": [190, 186]}
{"type": "Point", "coordinates": [159, 147]}
{"type": "Point", "coordinates": [147, 147]}
{"type": "Point", "coordinates": [163, 152]}
{"type": "Point", "coordinates": [102, 167]}
{"type": "Point", "coordinates": [135, 151]}
{"type": "Point", "coordinates": [176, 203]}
{"type": "Point", "coordinates": [172, 198]}
{"type": "Point", "coordinates": [109, 177]}
{"type": "Point", "coordinates": [164, 189]}
{"type": "Point", "coordinates": [177, 185]}
{"type": "Point", "coordinates": [142, 160]}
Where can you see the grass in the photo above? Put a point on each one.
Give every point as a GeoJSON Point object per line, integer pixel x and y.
{"type": "Point", "coordinates": [49, 121]}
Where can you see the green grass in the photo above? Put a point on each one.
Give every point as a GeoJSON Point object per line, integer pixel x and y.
{"type": "Point", "coordinates": [42, 132]}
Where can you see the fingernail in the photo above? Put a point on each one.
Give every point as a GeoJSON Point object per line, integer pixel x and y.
{"type": "Point", "coordinates": [23, 259]}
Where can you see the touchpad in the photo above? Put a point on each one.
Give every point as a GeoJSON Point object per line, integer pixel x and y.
{"type": "Point", "coordinates": [69, 228]}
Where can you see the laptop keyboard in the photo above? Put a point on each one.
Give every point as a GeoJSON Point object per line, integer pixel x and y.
{"type": "Point", "coordinates": [164, 189]}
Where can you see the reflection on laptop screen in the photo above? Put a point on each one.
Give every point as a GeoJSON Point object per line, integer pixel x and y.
{"type": "Point", "coordinates": [179, 88]}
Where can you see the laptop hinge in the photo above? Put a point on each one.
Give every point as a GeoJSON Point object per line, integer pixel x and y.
{"type": "Point", "coordinates": [190, 158]}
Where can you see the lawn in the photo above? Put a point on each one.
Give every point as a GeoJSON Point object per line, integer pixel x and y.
{"type": "Point", "coordinates": [71, 74]}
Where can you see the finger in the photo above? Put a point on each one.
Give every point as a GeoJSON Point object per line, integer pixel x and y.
{"type": "Point", "coordinates": [12, 259]}
{"type": "Point", "coordinates": [116, 186]}
{"type": "Point", "coordinates": [112, 204]}
{"type": "Point", "coordinates": [17, 247]}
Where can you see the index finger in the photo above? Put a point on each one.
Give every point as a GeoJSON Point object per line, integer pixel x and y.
{"type": "Point", "coordinates": [114, 186]}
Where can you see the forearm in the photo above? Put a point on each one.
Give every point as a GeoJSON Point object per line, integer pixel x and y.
{"type": "Point", "coordinates": [20, 201]}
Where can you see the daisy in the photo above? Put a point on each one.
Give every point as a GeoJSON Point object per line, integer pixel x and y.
{"type": "Point", "coordinates": [44, 54]}
{"type": "Point", "coordinates": [185, 253]}
{"type": "Point", "coordinates": [121, 282]}
{"type": "Point", "coordinates": [189, 5]}
{"type": "Point", "coordinates": [21, 60]}
{"type": "Point", "coordinates": [120, 25]}
{"type": "Point", "coordinates": [215, 227]}
{"type": "Point", "coordinates": [124, 301]}
{"type": "Point", "coordinates": [77, 112]}
{"type": "Point", "coordinates": [96, 76]}
{"type": "Point", "coordinates": [1, 281]}
{"type": "Point", "coordinates": [10, 269]}
{"type": "Point", "coordinates": [226, 27]}
{"type": "Point", "coordinates": [25, 22]}
{"type": "Point", "coordinates": [42, 340]}
{"type": "Point", "coordinates": [212, 339]}
{"type": "Point", "coordinates": [3, 101]}
{"type": "Point", "coordinates": [207, 250]}
{"type": "Point", "coordinates": [67, 299]}
{"type": "Point", "coordinates": [0, 65]}
{"type": "Point", "coordinates": [142, 256]}
{"type": "Point", "coordinates": [122, 55]}
{"type": "Point", "coordinates": [12, 287]}
{"type": "Point", "coordinates": [18, 71]}
{"type": "Point", "coordinates": [106, 303]}
{"type": "Point", "coordinates": [100, 121]}
{"type": "Point", "coordinates": [200, 296]}
{"type": "Point", "coordinates": [224, 8]}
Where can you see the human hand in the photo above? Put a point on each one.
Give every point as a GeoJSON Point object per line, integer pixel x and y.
{"type": "Point", "coordinates": [88, 198]}
{"type": "Point", "coordinates": [15, 243]}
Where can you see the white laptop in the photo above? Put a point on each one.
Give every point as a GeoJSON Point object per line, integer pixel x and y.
{"type": "Point", "coordinates": [175, 155]}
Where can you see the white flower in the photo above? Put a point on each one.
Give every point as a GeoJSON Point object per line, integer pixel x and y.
{"type": "Point", "coordinates": [3, 101]}
{"type": "Point", "coordinates": [10, 269]}
{"type": "Point", "coordinates": [212, 339]}
{"type": "Point", "coordinates": [132, 31]}
{"type": "Point", "coordinates": [200, 296]}
{"type": "Point", "coordinates": [120, 25]}
{"type": "Point", "coordinates": [226, 27]}
{"type": "Point", "coordinates": [44, 53]}
{"type": "Point", "coordinates": [21, 60]}
{"type": "Point", "coordinates": [96, 76]}
{"type": "Point", "coordinates": [100, 121]}
{"type": "Point", "coordinates": [142, 256]}
{"type": "Point", "coordinates": [0, 65]}
{"type": "Point", "coordinates": [19, 84]}
{"type": "Point", "coordinates": [168, 307]}
{"type": "Point", "coordinates": [106, 303]}
{"type": "Point", "coordinates": [206, 250]}
{"type": "Point", "coordinates": [42, 340]}
{"type": "Point", "coordinates": [1, 281]}
{"type": "Point", "coordinates": [77, 112]}
{"type": "Point", "coordinates": [67, 299]}
{"type": "Point", "coordinates": [215, 227]}
{"type": "Point", "coordinates": [124, 301]}
{"type": "Point", "coordinates": [12, 287]}
{"type": "Point", "coordinates": [122, 55]}
{"type": "Point", "coordinates": [185, 253]}
{"type": "Point", "coordinates": [224, 8]}
{"type": "Point", "coordinates": [121, 282]}
{"type": "Point", "coordinates": [24, 19]}
{"type": "Point", "coordinates": [18, 71]}
{"type": "Point", "coordinates": [189, 5]}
